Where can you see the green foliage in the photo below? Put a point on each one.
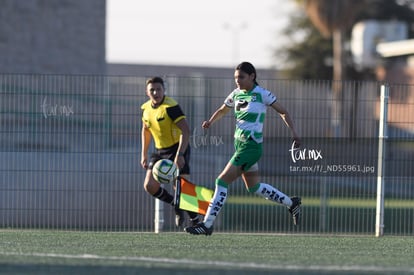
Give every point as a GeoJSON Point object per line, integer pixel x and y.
{"type": "Point", "coordinates": [307, 54]}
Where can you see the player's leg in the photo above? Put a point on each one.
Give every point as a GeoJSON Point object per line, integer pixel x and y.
{"type": "Point", "coordinates": [227, 176]}
{"type": "Point", "coordinates": [231, 172]}
{"type": "Point", "coordinates": [185, 173]}
{"type": "Point", "coordinates": [156, 190]}
{"type": "Point", "coordinates": [252, 153]}
{"type": "Point", "coordinates": [253, 185]}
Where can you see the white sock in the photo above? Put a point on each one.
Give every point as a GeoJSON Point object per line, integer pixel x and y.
{"type": "Point", "coordinates": [216, 203]}
{"type": "Point", "coordinates": [271, 193]}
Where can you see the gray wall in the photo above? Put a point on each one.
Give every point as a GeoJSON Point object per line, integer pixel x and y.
{"type": "Point", "coordinates": [50, 36]}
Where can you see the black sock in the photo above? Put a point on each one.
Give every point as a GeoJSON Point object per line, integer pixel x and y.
{"type": "Point", "coordinates": [164, 196]}
{"type": "Point", "coordinates": [192, 215]}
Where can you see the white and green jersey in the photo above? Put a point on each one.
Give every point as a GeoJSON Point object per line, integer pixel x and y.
{"type": "Point", "coordinates": [250, 111]}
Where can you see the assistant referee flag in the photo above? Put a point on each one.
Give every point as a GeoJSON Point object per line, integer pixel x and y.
{"type": "Point", "coordinates": [191, 197]}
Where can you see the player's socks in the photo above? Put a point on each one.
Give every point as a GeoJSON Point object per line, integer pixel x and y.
{"type": "Point", "coordinates": [216, 203]}
{"type": "Point", "coordinates": [192, 215]}
{"type": "Point", "coordinates": [164, 196]}
{"type": "Point", "coordinates": [271, 193]}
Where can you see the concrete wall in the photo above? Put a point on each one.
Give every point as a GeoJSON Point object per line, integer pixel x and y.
{"type": "Point", "coordinates": [53, 37]}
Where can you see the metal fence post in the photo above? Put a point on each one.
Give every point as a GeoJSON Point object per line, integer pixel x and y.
{"type": "Point", "coordinates": [159, 216]}
{"type": "Point", "coordinates": [382, 136]}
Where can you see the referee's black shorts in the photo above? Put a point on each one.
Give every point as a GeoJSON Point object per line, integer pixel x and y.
{"type": "Point", "coordinates": [170, 153]}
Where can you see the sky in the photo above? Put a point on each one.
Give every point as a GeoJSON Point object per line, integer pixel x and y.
{"type": "Point", "coordinates": [214, 33]}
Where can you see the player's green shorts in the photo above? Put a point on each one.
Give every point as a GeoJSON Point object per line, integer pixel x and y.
{"type": "Point", "coordinates": [247, 153]}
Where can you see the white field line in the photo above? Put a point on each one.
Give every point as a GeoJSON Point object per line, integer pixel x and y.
{"type": "Point", "coordinates": [235, 265]}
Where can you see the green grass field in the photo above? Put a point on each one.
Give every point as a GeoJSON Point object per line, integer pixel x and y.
{"type": "Point", "coordinates": [76, 252]}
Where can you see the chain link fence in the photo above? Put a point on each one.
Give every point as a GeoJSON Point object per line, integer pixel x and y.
{"type": "Point", "coordinates": [70, 155]}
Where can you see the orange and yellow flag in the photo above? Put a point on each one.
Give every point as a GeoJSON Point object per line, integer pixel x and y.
{"type": "Point", "coordinates": [191, 197]}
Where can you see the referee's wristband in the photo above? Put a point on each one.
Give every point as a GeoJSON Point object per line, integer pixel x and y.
{"type": "Point", "coordinates": [180, 154]}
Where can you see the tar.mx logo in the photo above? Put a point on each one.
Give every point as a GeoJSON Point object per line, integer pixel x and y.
{"type": "Point", "coordinates": [54, 110]}
{"type": "Point", "coordinates": [304, 154]}
{"type": "Point", "coordinates": [197, 140]}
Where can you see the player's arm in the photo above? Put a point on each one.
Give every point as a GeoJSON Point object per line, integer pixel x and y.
{"type": "Point", "coordinates": [185, 135]}
{"type": "Point", "coordinates": [284, 114]}
{"type": "Point", "coordinates": [184, 140]}
{"type": "Point", "coordinates": [217, 115]}
{"type": "Point", "coordinates": [145, 143]}
{"type": "Point", "coordinates": [178, 117]}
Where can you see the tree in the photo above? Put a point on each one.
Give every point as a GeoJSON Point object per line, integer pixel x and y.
{"type": "Point", "coordinates": [304, 39]}
{"type": "Point", "coordinates": [304, 42]}
{"type": "Point", "coordinates": [334, 20]}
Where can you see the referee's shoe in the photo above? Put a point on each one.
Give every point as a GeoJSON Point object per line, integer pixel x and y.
{"type": "Point", "coordinates": [199, 229]}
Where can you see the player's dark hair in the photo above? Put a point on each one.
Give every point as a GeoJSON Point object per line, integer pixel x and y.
{"type": "Point", "coordinates": [155, 79]}
{"type": "Point", "coordinates": [249, 69]}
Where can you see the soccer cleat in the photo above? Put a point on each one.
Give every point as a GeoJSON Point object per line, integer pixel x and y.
{"type": "Point", "coordinates": [295, 210]}
{"type": "Point", "coordinates": [199, 229]}
{"type": "Point", "coordinates": [179, 217]}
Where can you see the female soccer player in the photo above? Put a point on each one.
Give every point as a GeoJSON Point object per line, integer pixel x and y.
{"type": "Point", "coordinates": [164, 121]}
{"type": "Point", "coordinates": [249, 102]}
